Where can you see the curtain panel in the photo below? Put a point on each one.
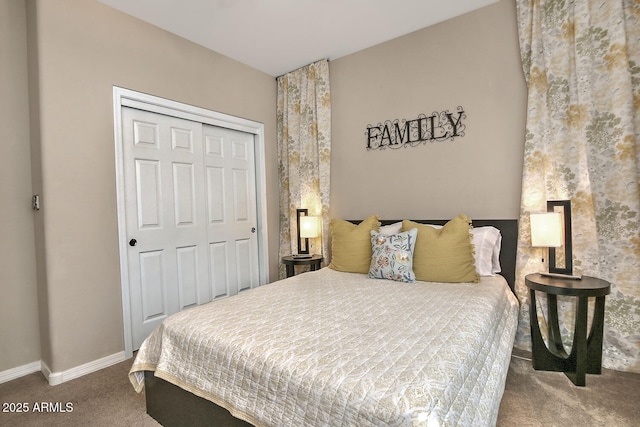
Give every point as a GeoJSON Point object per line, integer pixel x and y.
{"type": "Point", "coordinates": [581, 61]}
{"type": "Point", "coordinates": [304, 152]}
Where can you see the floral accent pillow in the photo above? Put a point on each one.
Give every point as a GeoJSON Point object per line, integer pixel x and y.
{"type": "Point", "coordinates": [392, 256]}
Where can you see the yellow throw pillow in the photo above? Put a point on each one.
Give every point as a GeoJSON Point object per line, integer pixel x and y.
{"type": "Point", "coordinates": [351, 244]}
{"type": "Point", "coordinates": [445, 254]}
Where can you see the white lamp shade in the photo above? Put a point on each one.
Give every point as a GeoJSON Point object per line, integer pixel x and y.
{"type": "Point", "coordinates": [547, 229]}
{"type": "Point", "coordinates": [309, 226]}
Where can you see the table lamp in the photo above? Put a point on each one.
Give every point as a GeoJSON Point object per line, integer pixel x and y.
{"type": "Point", "coordinates": [308, 228]}
{"type": "Point", "coordinates": [552, 229]}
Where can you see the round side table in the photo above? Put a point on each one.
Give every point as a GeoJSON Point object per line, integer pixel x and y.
{"type": "Point", "coordinates": [586, 351]}
{"type": "Point", "coordinates": [290, 262]}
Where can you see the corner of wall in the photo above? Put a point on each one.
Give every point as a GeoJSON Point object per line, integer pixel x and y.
{"type": "Point", "coordinates": [56, 378]}
{"type": "Point", "coordinates": [36, 176]}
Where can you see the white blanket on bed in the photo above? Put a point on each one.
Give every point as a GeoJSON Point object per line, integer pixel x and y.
{"type": "Point", "coordinates": [327, 348]}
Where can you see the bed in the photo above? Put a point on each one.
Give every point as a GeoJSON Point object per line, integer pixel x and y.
{"type": "Point", "coordinates": [338, 348]}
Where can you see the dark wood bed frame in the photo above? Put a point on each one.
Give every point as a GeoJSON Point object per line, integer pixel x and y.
{"type": "Point", "coordinates": [171, 405]}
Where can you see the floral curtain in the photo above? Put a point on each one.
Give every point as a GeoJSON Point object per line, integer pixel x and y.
{"type": "Point", "coordinates": [304, 152]}
{"type": "Point", "coordinates": [581, 61]}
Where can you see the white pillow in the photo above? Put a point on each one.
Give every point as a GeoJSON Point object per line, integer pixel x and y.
{"type": "Point", "coordinates": [487, 242]}
{"type": "Point", "coordinates": [391, 228]}
{"type": "Point", "coordinates": [496, 256]}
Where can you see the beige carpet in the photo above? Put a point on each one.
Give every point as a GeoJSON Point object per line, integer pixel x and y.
{"type": "Point", "coordinates": [538, 398]}
{"type": "Point", "coordinates": [104, 398]}
{"type": "Point", "coordinates": [531, 398]}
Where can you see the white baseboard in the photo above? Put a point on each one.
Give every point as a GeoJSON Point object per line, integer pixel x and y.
{"type": "Point", "coordinates": [20, 371]}
{"type": "Point", "coordinates": [56, 378]}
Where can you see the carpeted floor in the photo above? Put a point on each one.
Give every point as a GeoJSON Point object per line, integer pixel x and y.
{"type": "Point", "coordinates": [102, 399]}
{"type": "Point", "coordinates": [531, 398]}
{"type": "Point", "coordinates": [538, 398]}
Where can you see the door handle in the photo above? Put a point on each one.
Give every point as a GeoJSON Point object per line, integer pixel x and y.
{"type": "Point", "coordinates": [253, 229]}
{"type": "Point", "coordinates": [133, 242]}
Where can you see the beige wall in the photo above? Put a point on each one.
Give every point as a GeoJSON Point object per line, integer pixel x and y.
{"type": "Point", "coordinates": [19, 338]}
{"type": "Point", "coordinates": [79, 50]}
{"type": "Point", "coordinates": [472, 61]}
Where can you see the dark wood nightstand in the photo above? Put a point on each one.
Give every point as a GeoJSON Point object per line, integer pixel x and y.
{"type": "Point", "coordinates": [586, 352]}
{"type": "Point", "coordinates": [290, 262]}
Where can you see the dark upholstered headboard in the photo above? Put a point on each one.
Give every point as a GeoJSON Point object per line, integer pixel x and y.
{"type": "Point", "coordinates": [509, 230]}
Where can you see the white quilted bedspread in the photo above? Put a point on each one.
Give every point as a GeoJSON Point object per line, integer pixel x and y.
{"type": "Point", "coordinates": [327, 348]}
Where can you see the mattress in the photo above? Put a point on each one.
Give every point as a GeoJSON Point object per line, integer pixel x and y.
{"type": "Point", "coordinates": [328, 348]}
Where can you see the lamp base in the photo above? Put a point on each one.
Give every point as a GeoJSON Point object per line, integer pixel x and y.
{"type": "Point", "coordinates": [561, 276]}
{"type": "Point", "coordinates": [301, 256]}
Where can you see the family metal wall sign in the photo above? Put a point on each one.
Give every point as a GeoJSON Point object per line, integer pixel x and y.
{"type": "Point", "coordinates": [411, 133]}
